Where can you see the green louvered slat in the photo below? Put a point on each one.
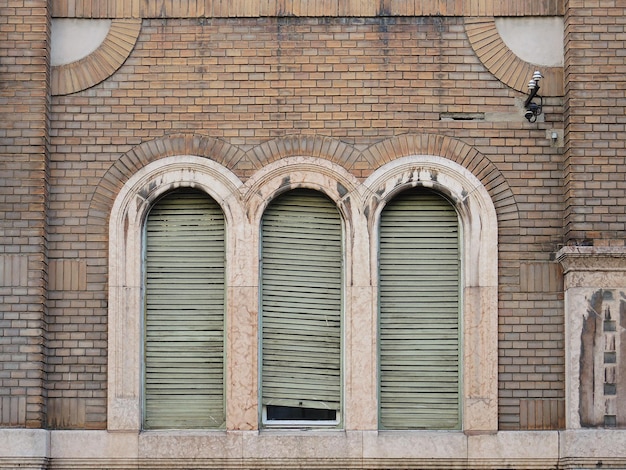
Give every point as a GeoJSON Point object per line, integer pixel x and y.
{"type": "Point", "coordinates": [301, 302]}
{"type": "Point", "coordinates": [419, 313]}
{"type": "Point", "coordinates": [184, 313]}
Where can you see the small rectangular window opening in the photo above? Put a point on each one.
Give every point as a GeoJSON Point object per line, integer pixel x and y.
{"type": "Point", "coordinates": [462, 116]}
{"type": "Point", "coordinates": [295, 416]}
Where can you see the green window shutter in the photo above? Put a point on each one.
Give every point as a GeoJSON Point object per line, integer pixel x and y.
{"type": "Point", "coordinates": [301, 302]}
{"type": "Point", "coordinates": [419, 313]}
{"type": "Point", "coordinates": [184, 313]}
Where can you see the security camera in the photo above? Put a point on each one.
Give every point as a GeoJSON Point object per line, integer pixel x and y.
{"type": "Point", "coordinates": [532, 111]}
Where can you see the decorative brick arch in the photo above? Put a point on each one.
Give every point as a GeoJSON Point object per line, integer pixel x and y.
{"type": "Point", "coordinates": [507, 67]}
{"type": "Point", "coordinates": [327, 148]}
{"type": "Point", "coordinates": [459, 152]}
{"type": "Point", "coordinates": [322, 147]}
{"type": "Point", "coordinates": [100, 64]}
{"type": "Point", "coordinates": [128, 164]}
{"type": "Point", "coordinates": [479, 189]}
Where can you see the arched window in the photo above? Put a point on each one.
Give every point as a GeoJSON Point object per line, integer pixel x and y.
{"type": "Point", "coordinates": [419, 325]}
{"type": "Point", "coordinates": [301, 303]}
{"type": "Point", "coordinates": [184, 313]}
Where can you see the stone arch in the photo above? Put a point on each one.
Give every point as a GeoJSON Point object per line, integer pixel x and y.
{"type": "Point", "coordinates": [128, 212]}
{"type": "Point", "coordinates": [293, 172]}
{"type": "Point", "coordinates": [456, 151]}
{"type": "Point", "coordinates": [479, 291]}
{"type": "Point", "coordinates": [138, 157]}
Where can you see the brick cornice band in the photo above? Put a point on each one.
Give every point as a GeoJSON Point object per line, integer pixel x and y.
{"type": "Point", "coordinates": [301, 8]}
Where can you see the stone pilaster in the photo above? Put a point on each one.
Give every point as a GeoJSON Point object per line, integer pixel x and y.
{"type": "Point", "coordinates": [595, 312]}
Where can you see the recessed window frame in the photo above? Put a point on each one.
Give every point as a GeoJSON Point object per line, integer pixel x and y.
{"type": "Point", "coordinates": [126, 222]}
{"type": "Point", "coordinates": [479, 225]}
{"type": "Point", "coordinates": [144, 409]}
{"type": "Point", "coordinates": [266, 421]}
{"type": "Point", "coordinates": [359, 203]}
{"type": "Point", "coordinates": [460, 332]}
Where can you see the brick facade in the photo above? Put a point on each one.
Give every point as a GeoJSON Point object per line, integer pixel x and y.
{"type": "Point", "coordinates": [594, 118]}
{"type": "Point", "coordinates": [246, 88]}
{"type": "Point", "coordinates": [357, 81]}
{"type": "Point", "coordinates": [24, 198]}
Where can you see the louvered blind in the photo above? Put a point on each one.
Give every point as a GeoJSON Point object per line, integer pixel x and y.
{"type": "Point", "coordinates": [419, 313]}
{"type": "Point", "coordinates": [184, 313]}
{"type": "Point", "coordinates": [301, 302]}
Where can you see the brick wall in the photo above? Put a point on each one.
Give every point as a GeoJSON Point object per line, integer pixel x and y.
{"type": "Point", "coordinates": [357, 80]}
{"type": "Point", "coordinates": [24, 46]}
{"type": "Point", "coordinates": [595, 108]}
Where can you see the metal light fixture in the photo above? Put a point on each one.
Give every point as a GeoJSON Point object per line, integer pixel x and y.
{"type": "Point", "coordinates": [533, 109]}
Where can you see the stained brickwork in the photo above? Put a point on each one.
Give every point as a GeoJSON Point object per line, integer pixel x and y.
{"type": "Point", "coordinates": [24, 52]}
{"type": "Point", "coordinates": [594, 113]}
{"type": "Point", "coordinates": [302, 8]}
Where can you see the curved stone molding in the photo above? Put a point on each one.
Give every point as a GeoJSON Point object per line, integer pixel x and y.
{"type": "Point", "coordinates": [100, 64]}
{"type": "Point", "coordinates": [311, 145]}
{"type": "Point", "coordinates": [147, 152]}
{"type": "Point", "coordinates": [300, 171]}
{"type": "Point", "coordinates": [504, 64]}
{"type": "Point", "coordinates": [457, 151]}
{"type": "Point", "coordinates": [128, 213]}
{"type": "Point", "coordinates": [324, 148]}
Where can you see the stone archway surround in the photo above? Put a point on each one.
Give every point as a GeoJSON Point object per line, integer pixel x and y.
{"type": "Point", "coordinates": [360, 203]}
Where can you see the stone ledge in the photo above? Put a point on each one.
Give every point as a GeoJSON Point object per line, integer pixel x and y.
{"type": "Point", "coordinates": [278, 449]}
{"type": "Point", "coordinates": [86, 450]}
{"type": "Point", "coordinates": [592, 258]}
{"type": "Point", "coordinates": [25, 445]}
